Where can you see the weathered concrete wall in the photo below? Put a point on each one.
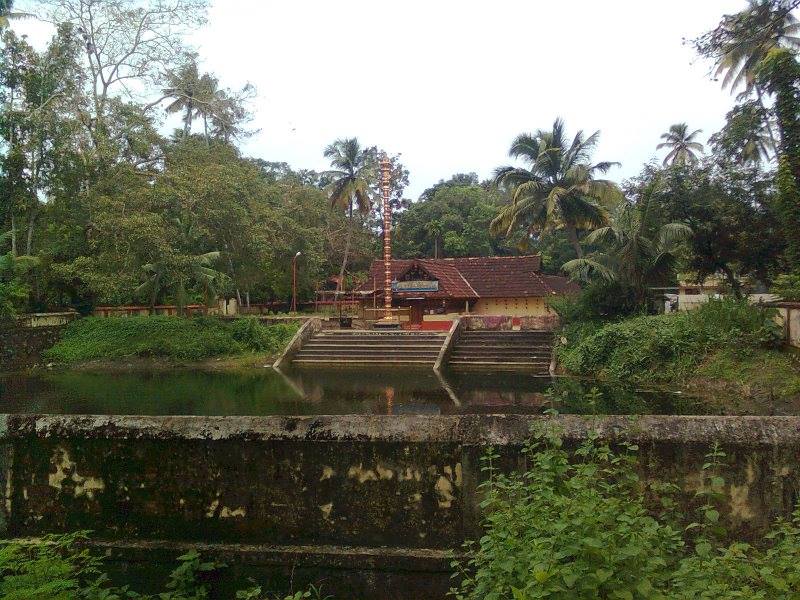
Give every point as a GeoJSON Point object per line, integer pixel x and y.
{"type": "Point", "coordinates": [546, 322]}
{"type": "Point", "coordinates": [306, 332]}
{"type": "Point", "coordinates": [789, 318]}
{"type": "Point", "coordinates": [21, 347]}
{"type": "Point", "coordinates": [369, 501]}
{"type": "Point", "coordinates": [453, 334]}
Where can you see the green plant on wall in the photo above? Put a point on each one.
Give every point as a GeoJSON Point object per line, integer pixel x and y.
{"type": "Point", "coordinates": [580, 525]}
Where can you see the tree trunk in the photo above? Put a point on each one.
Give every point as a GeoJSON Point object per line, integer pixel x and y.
{"type": "Point", "coordinates": [187, 124]}
{"type": "Point", "coordinates": [572, 236]}
{"type": "Point", "coordinates": [340, 283]}
{"type": "Point", "coordinates": [29, 238]}
{"type": "Point", "coordinates": [13, 234]}
{"type": "Point", "coordinates": [436, 247]}
{"type": "Point", "coordinates": [736, 287]}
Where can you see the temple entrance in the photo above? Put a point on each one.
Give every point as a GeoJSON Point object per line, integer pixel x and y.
{"type": "Point", "coordinates": [415, 314]}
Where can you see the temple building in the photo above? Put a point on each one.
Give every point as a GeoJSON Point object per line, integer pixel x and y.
{"type": "Point", "coordinates": [432, 291]}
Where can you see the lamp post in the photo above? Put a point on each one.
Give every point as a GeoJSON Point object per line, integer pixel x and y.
{"type": "Point", "coordinates": [294, 282]}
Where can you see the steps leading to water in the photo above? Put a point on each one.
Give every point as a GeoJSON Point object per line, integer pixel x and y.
{"type": "Point", "coordinates": [503, 351]}
{"type": "Point", "coordinates": [363, 348]}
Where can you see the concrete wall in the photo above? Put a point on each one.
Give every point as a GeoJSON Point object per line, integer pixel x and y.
{"type": "Point", "coordinates": [310, 328]}
{"type": "Point", "coordinates": [515, 307]}
{"type": "Point", "coordinates": [546, 322]}
{"type": "Point", "coordinates": [789, 318]}
{"type": "Point", "coordinates": [369, 505]}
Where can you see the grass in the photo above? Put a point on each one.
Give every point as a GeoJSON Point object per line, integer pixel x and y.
{"type": "Point", "coordinates": [766, 374]}
{"type": "Point", "coordinates": [724, 344]}
{"type": "Point", "coordinates": [200, 338]}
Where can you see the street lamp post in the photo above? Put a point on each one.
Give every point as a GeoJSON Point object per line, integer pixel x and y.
{"type": "Point", "coordinates": [294, 282]}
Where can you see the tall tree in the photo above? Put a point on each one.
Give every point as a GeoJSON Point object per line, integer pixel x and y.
{"type": "Point", "coordinates": [127, 45]}
{"type": "Point", "coordinates": [558, 188]}
{"type": "Point", "coordinates": [682, 145]}
{"type": "Point", "coordinates": [352, 174]}
{"type": "Point", "coordinates": [634, 251]}
{"type": "Point", "coordinates": [8, 14]}
{"type": "Point", "coordinates": [745, 138]}
{"type": "Point", "coordinates": [780, 74]}
{"type": "Point", "coordinates": [183, 88]}
{"type": "Point", "coordinates": [741, 41]}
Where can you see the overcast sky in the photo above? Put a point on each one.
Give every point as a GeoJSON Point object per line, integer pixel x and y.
{"type": "Point", "coordinates": [450, 83]}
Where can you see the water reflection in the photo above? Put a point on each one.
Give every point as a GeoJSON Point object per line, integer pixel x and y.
{"type": "Point", "coordinates": [267, 392]}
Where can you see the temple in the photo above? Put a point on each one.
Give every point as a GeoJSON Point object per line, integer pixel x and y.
{"type": "Point", "coordinates": [430, 292]}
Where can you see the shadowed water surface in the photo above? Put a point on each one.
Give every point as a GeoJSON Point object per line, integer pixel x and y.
{"type": "Point", "coordinates": [268, 392]}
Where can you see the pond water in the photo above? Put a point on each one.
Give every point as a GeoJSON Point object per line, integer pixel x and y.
{"type": "Point", "coordinates": [268, 392]}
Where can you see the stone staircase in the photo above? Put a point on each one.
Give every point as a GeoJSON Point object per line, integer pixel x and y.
{"type": "Point", "coordinates": [366, 347]}
{"type": "Point", "coordinates": [503, 351]}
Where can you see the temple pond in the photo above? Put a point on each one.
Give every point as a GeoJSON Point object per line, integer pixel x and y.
{"type": "Point", "coordinates": [268, 392]}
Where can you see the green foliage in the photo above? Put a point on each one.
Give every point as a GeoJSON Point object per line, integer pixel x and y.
{"type": "Point", "coordinates": [558, 188]}
{"type": "Point", "coordinates": [788, 207]}
{"type": "Point", "coordinates": [253, 335]}
{"type": "Point", "coordinates": [665, 347]}
{"type": "Point", "coordinates": [596, 302]}
{"type": "Point", "coordinates": [581, 525]}
{"type": "Point", "coordinates": [735, 229]}
{"type": "Point", "coordinates": [51, 568]}
{"type": "Point", "coordinates": [57, 567]}
{"type": "Point", "coordinates": [787, 286]}
{"type": "Point", "coordinates": [568, 529]}
{"type": "Point", "coordinates": [95, 338]}
{"type": "Point", "coordinates": [450, 219]}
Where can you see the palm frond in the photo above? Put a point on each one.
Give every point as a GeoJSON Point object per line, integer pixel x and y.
{"type": "Point", "coordinates": [586, 269]}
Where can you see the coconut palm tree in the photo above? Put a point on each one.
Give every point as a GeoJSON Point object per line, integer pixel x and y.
{"type": "Point", "coordinates": [8, 14]}
{"type": "Point", "coordinates": [176, 273]}
{"type": "Point", "coordinates": [353, 169]}
{"type": "Point", "coordinates": [743, 40]}
{"type": "Point", "coordinates": [682, 145]}
{"type": "Point", "coordinates": [631, 252]}
{"type": "Point", "coordinates": [557, 188]}
{"type": "Point", "coordinates": [184, 87]}
{"type": "Point", "coordinates": [435, 230]}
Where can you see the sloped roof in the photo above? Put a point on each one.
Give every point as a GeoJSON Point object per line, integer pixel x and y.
{"type": "Point", "coordinates": [480, 277]}
{"type": "Point", "coordinates": [451, 282]}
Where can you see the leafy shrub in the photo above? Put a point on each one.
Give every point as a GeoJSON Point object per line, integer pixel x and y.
{"type": "Point", "coordinates": [252, 334]}
{"type": "Point", "coordinates": [668, 346]}
{"type": "Point", "coordinates": [567, 529]}
{"type": "Point", "coordinates": [787, 287]}
{"type": "Point", "coordinates": [57, 567]}
{"type": "Point", "coordinates": [582, 526]}
{"type": "Point", "coordinates": [161, 336]}
{"type": "Point", "coordinates": [597, 302]}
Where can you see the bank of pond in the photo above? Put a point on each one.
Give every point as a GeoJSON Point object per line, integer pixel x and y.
{"type": "Point", "coordinates": [265, 391]}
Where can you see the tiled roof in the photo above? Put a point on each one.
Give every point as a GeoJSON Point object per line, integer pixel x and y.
{"type": "Point", "coordinates": [481, 277]}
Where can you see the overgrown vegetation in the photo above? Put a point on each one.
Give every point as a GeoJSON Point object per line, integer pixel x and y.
{"type": "Point", "coordinates": [652, 348]}
{"type": "Point", "coordinates": [57, 567]}
{"type": "Point", "coordinates": [582, 525]}
{"type": "Point", "coordinates": [95, 338]}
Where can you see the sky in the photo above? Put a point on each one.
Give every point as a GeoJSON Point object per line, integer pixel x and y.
{"type": "Point", "coordinates": [448, 84]}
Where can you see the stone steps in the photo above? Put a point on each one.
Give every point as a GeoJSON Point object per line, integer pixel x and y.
{"type": "Point", "coordinates": [364, 348]}
{"type": "Point", "coordinates": [503, 351]}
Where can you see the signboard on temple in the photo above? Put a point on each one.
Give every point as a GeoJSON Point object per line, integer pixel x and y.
{"type": "Point", "coordinates": [415, 286]}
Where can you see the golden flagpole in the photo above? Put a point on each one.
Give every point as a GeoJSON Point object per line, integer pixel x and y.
{"type": "Point", "coordinates": [387, 237]}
